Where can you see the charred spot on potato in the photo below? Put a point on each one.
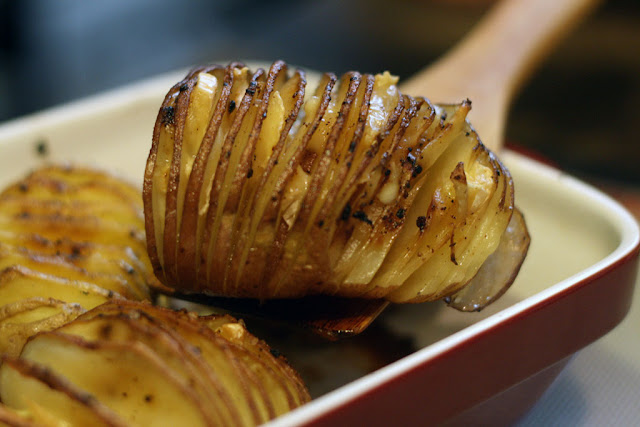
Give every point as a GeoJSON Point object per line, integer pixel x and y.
{"type": "Point", "coordinates": [346, 212]}
{"type": "Point", "coordinates": [105, 331]}
{"type": "Point", "coordinates": [362, 216]}
{"type": "Point", "coordinates": [421, 222]}
{"type": "Point", "coordinates": [168, 115]}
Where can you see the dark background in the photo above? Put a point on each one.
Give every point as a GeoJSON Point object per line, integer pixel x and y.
{"type": "Point", "coordinates": [580, 110]}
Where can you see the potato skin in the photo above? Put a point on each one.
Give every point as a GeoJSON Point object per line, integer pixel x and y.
{"type": "Point", "coordinates": [258, 186]}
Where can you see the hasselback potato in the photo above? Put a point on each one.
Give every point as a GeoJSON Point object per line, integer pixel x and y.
{"type": "Point", "coordinates": [257, 186]}
{"type": "Point", "coordinates": [70, 239]}
{"type": "Point", "coordinates": [131, 363]}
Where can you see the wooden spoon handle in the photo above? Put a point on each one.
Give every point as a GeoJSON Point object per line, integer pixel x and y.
{"type": "Point", "coordinates": [491, 63]}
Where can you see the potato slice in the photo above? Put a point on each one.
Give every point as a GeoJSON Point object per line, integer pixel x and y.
{"type": "Point", "coordinates": [12, 418]}
{"type": "Point", "coordinates": [26, 309]}
{"type": "Point", "coordinates": [26, 317]}
{"type": "Point", "coordinates": [360, 191]}
{"type": "Point", "coordinates": [57, 265]}
{"type": "Point", "coordinates": [498, 272]}
{"type": "Point", "coordinates": [20, 283]}
{"type": "Point", "coordinates": [92, 257]}
{"type": "Point", "coordinates": [46, 398]}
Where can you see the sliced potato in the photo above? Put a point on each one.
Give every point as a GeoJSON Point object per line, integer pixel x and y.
{"type": "Point", "coordinates": [12, 418]}
{"type": "Point", "coordinates": [226, 345]}
{"type": "Point", "coordinates": [351, 189]}
{"type": "Point", "coordinates": [498, 272]}
{"type": "Point", "coordinates": [49, 399]}
{"type": "Point", "coordinates": [92, 257]}
{"type": "Point", "coordinates": [70, 239]}
{"type": "Point", "coordinates": [108, 373]}
{"type": "Point", "coordinates": [131, 363]}
{"type": "Point", "coordinates": [20, 284]}
{"type": "Point", "coordinates": [26, 317]}
{"type": "Point", "coordinates": [55, 265]}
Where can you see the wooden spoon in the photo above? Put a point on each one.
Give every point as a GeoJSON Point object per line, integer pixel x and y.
{"type": "Point", "coordinates": [493, 61]}
{"type": "Point", "coordinates": [488, 66]}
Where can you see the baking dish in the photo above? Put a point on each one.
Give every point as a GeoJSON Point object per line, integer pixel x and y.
{"type": "Point", "coordinates": [421, 364]}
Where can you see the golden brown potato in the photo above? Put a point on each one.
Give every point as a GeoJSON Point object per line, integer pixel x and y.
{"type": "Point", "coordinates": [70, 239]}
{"type": "Point", "coordinates": [130, 363]}
{"type": "Point", "coordinates": [257, 187]}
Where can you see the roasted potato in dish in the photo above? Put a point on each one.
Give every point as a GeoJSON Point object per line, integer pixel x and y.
{"type": "Point", "coordinates": [258, 186]}
{"type": "Point", "coordinates": [130, 363]}
{"type": "Point", "coordinates": [70, 239]}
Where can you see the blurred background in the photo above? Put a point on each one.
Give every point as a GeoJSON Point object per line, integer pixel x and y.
{"type": "Point", "coordinates": [579, 110]}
